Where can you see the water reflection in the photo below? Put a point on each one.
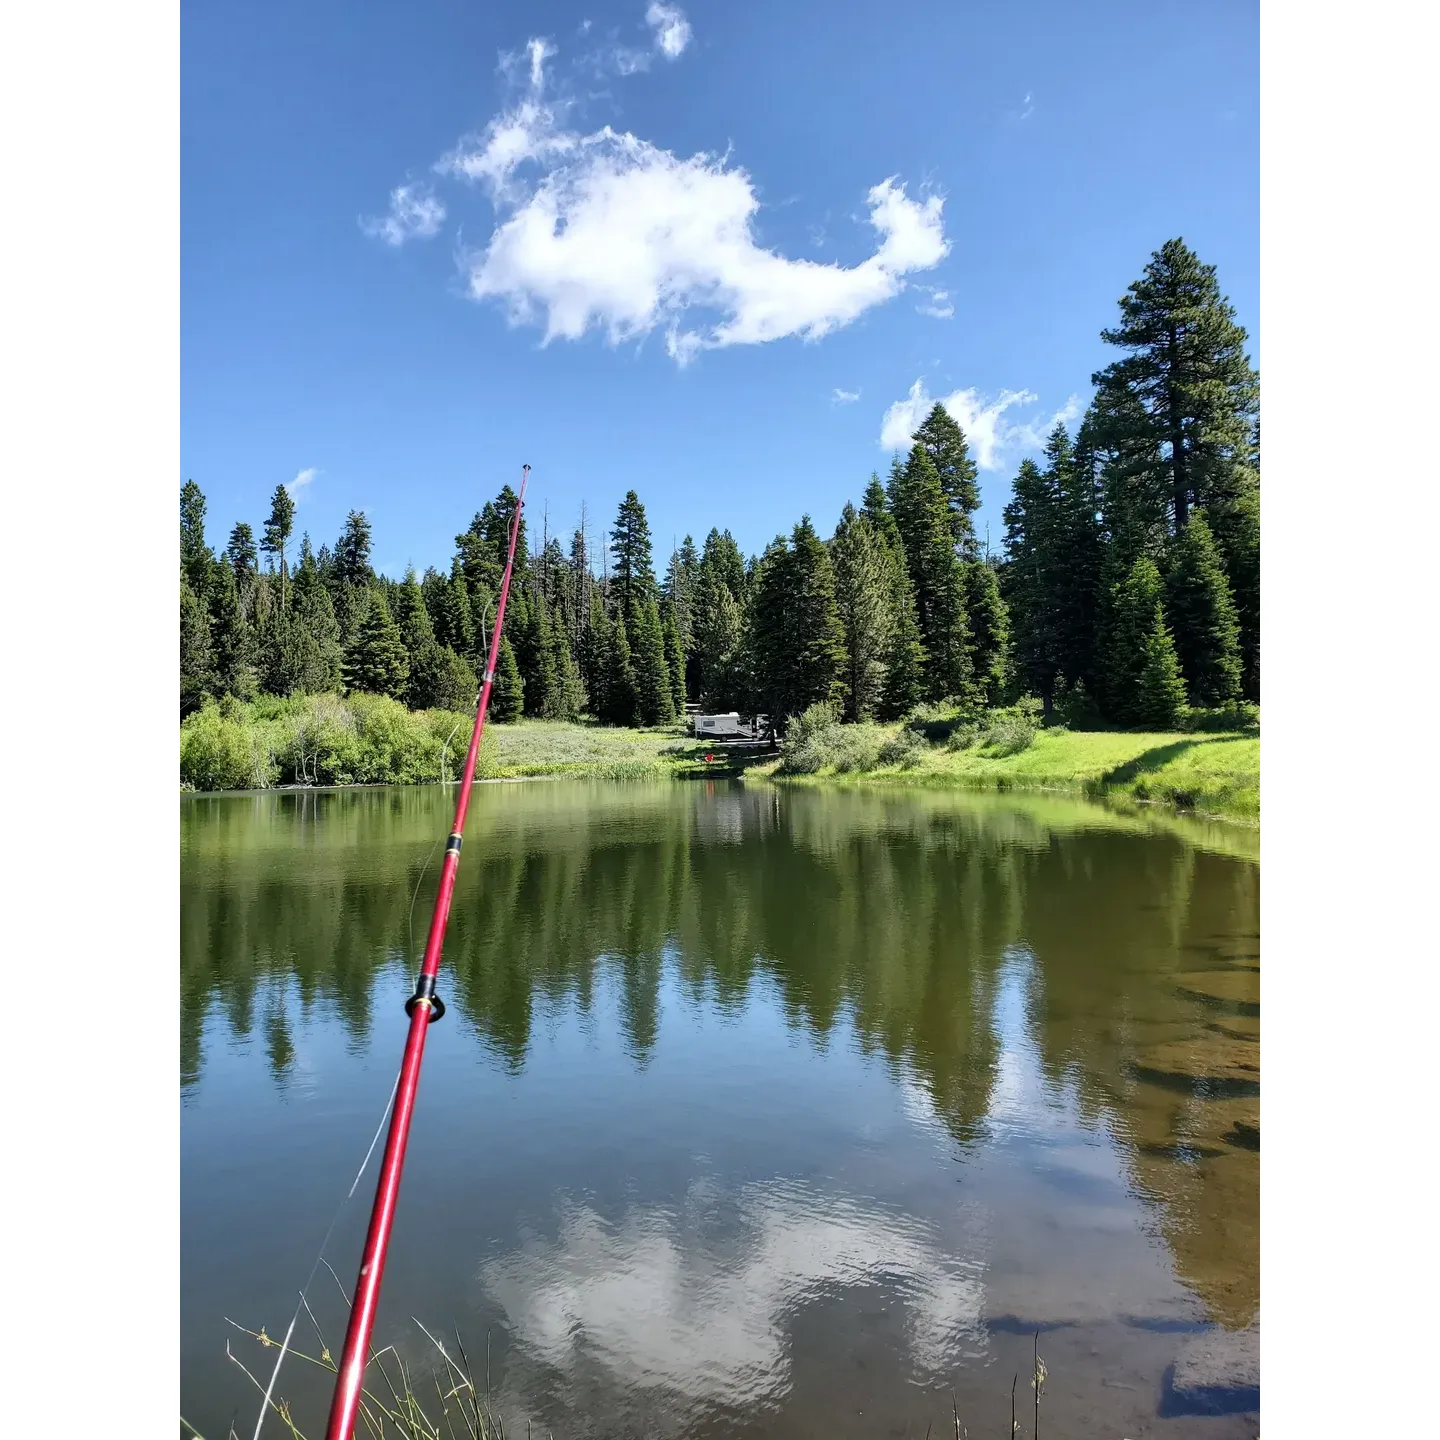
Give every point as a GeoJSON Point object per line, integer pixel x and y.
{"type": "Point", "coordinates": [669, 1298]}
{"type": "Point", "coordinates": [1066, 1004]}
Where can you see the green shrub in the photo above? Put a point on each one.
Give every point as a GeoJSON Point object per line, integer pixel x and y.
{"type": "Point", "coordinates": [905, 749]}
{"type": "Point", "coordinates": [1010, 731]}
{"type": "Point", "coordinates": [219, 751]}
{"type": "Point", "coordinates": [1238, 715]}
{"type": "Point", "coordinates": [937, 720]}
{"type": "Point", "coordinates": [963, 736]}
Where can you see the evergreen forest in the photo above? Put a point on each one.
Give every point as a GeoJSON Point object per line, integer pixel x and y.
{"type": "Point", "coordinates": [1126, 588]}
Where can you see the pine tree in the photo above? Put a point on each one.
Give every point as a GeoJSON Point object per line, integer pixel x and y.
{"type": "Point", "coordinates": [507, 695]}
{"type": "Point", "coordinates": [1074, 476]}
{"type": "Point", "coordinates": [799, 645]}
{"type": "Point", "coordinates": [1240, 545]}
{"type": "Point", "coordinates": [412, 619]}
{"type": "Point", "coordinates": [678, 594]}
{"type": "Point", "coordinates": [528, 617]}
{"type": "Point", "coordinates": [719, 635]}
{"type": "Point", "coordinates": [197, 674]}
{"type": "Point", "coordinates": [196, 557]}
{"type": "Point", "coordinates": [318, 664]}
{"type": "Point", "coordinates": [594, 657]}
{"type": "Point", "coordinates": [441, 680]}
{"type": "Point", "coordinates": [1202, 612]}
{"type": "Point", "coordinates": [922, 516]}
{"type": "Point", "coordinates": [634, 580]}
{"type": "Point", "coordinates": [376, 661]}
{"type": "Point", "coordinates": [232, 640]}
{"type": "Point", "coordinates": [653, 691]}
{"type": "Point", "coordinates": [1160, 693]}
{"type": "Point", "coordinates": [674, 656]}
{"type": "Point", "coordinates": [277, 533]}
{"type": "Point", "coordinates": [1196, 395]}
{"type": "Point", "coordinates": [944, 442]}
{"type": "Point", "coordinates": [864, 594]}
{"type": "Point", "coordinates": [1131, 621]}
{"type": "Point", "coordinates": [905, 664]}
{"type": "Point", "coordinates": [1032, 539]}
{"type": "Point", "coordinates": [350, 576]}
{"type": "Point", "coordinates": [989, 628]}
{"type": "Point", "coordinates": [622, 705]}
{"type": "Point", "coordinates": [352, 553]}
{"type": "Point", "coordinates": [567, 696]}
{"type": "Point", "coordinates": [722, 556]}
{"type": "Point", "coordinates": [453, 619]}
{"type": "Point", "coordinates": [496, 520]}
{"type": "Point", "coordinates": [244, 562]}
{"type": "Point", "coordinates": [875, 507]}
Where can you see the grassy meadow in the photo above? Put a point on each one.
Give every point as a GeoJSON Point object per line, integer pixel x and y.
{"type": "Point", "coordinates": [368, 739]}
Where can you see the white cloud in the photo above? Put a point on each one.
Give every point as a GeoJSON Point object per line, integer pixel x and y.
{"type": "Point", "coordinates": [994, 440]}
{"type": "Point", "coordinates": [605, 231]}
{"type": "Point", "coordinates": [1027, 106]}
{"type": "Point", "coordinates": [672, 29]}
{"type": "Point", "coordinates": [301, 481]}
{"type": "Point", "coordinates": [610, 232]}
{"type": "Point", "coordinates": [939, 306]}
{"type": "Point", "coordinates": [844, 397]}
{"type": "Point", "coordinates": [415, 214]}
{"type": "Point", "coordinates": [539, 52]}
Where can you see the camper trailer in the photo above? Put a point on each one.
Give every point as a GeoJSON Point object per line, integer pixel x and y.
{"type": "Point", "coordinates": [720, 727]}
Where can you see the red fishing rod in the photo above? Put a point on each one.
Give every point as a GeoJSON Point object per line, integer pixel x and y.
{"type": "Point", "coordinates": [424, 1007]}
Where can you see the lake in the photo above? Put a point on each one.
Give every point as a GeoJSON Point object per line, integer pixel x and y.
{"type": "Point", "coordinates": [756, 1111]}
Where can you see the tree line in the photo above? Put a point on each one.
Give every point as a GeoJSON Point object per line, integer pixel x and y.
{"type": "Point", "coordinates": [1126, 589]}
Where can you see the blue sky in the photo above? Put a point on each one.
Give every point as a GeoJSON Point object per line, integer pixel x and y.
{"type": "Point", "coordinates": [705, 250]}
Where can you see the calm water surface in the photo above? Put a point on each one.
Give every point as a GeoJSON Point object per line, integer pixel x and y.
{"type": "Point", "coordinates": [755, 1112]}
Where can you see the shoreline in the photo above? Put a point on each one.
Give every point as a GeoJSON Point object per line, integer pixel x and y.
{"type": "Point", "coordinates": [1111, 795]}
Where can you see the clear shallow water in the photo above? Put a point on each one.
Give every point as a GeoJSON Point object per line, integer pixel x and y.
{"type": "Point", "coordinates": [755, 1112]}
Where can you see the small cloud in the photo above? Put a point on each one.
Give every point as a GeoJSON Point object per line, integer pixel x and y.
{"type": "Point", "coordinates": [672, 29]}
{"type": "Point", "coordinates": [415, 214]}
{"type": "Point", "coordinates": [939, 306]}
{"type": "Point", "coordinates": [301, 481]}
{"type": "Point", "coordinates": [584, 27]}
{"type": "Point", "coordinates": [539, 51]}
{"type": "Point", "coordinates": [844, 397]}
{"type": "Point", "coordinates": [994, 440]}
{"type": "Point", "coordinates": [1027, 106]}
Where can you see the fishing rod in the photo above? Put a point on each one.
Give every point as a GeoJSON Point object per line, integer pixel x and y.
{"type": "Point", "coordinates": [424, 1007]}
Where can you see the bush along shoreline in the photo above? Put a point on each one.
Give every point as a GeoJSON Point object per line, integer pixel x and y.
{"type": "Point", "coordinates": [1211, 766]}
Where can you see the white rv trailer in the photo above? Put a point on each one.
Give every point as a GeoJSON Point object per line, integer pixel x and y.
{"type": "Point", "coordinates": [719, 727]}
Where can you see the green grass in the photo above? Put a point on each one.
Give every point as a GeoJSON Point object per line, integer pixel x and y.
{"type": "Point", "coordinates": [556, 747]}
{"type": "Point", "coordinates": [366, 739]}
{"type": "Point", "coordinates": [1211, 774]}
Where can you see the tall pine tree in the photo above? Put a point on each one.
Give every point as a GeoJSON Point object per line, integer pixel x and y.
{"type": "Point", "coordinates": [1032, 539]}
{"type": "Point", "coordinates": [922, 515]}
{"type": "Point", "coordinates": [1196, 393]}
{"type": "Point", "coordinates": [798, 640]}
{"type": "Point", "coordinates": [276, 535]}
{"type": "Point", "coordinates": [376, 660]}
{"type": "Point", "coordinates": [1160, 689]}
{"type": "Point", "coordinates": [949, 451]}
{"type": "Point", "coordinates": [864, 596]}
{"type": "Point", "coordinates": [1202, 613]}
{"type": "Point", "coordinates": [196, 557]}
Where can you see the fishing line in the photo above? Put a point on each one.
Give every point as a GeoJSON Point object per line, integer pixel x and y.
{"type": "Point", "coordinates": [354, 1184]}
{"type": "Point", "coordinates": [334, 1220]}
